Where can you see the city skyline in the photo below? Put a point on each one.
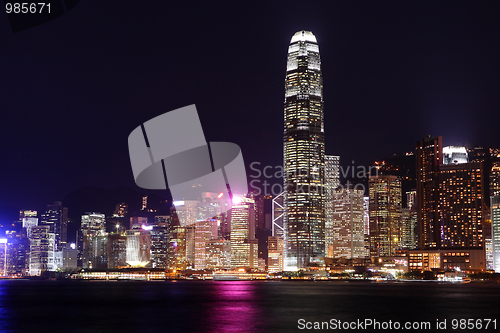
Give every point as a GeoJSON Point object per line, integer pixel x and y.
{"type": "Point", "coordinates": [324, 227]}
{"type": "Point", "coordinates": [369, 134]}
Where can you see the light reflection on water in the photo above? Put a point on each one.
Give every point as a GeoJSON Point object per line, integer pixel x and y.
{"type": "Point", "coordinates": [229, 306]}
{"type": "Point", "coordinates": [235, 307]}
{"type": "Point", "coordinates": [4, 311]}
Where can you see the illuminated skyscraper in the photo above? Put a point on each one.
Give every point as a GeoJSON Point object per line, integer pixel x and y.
{"type": "Point", "coordinates": [243, 243]}
{"type": "Point", "coordinates": [331, 183]}
{"type": "Point", "coordinates": [56, 217]}
{"type": "Point", "coordinates": [495, 231]}
{"type": "Point", "coordinates": [177, 258]}
{"type": "Point", "coordinates": [348, 224]}
{"type": "Point", "coordinates": [385, 215]}
{"type": "Point", "coordinates": [92, 225]}
{"type": "Point", "coordinates": [429, 157]}
{"type": "Point", "coordinates": [275, 254]}
{"type": "Point", "coordinates": [187, 211]}
{"type": "Point", "coordinates": [204, 231]}
{"type": "Point", "coordinates": [495, 214]}
{"type": "Point", "coordinates": [412, 204]}
{"type": "Point", "coordinates": [117, 250]}
{"type": "Point", "coordinates": [99, 256]}
{"type": "Point", "coordinates": [495, 179]}
{"type": "Point", "coordinates": [29, 220]}
{"type": "Point", "coordinates": [42, 249]}
{"type": "Point", "coordinates": [366, 219]}
{"type": "Point", "coordinates": [303, 154]}
{"type": "Point", "coordinates": [159, 244]}
{"type": "Point", "coordinates": [461, 201]}
{"type": "Point", "coordinates": [406, 230]}
{"type": "Point", "coordinates": [138, 247]}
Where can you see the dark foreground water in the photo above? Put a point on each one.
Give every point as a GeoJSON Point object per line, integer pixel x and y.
{"type": "Point", "coordinates": [234, 306]}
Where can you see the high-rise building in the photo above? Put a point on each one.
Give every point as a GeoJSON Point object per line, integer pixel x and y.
{"type": "Point", "coordinates": [332, 181]}
{"type": "Point", "coordinates": [429, 158]}
{"type": "Point", "coordinates": [366, 219]}
{"type": "Point", "coordinates": [278, 215]}
{"type": "Point", "coordinates": [304, 154]}
{"type": "Point", "coordinates": [495, 214]}
{"type": "Point", "coordinates": [187, 211]}
{"type": "Point", "coordinates": [218, 254]}
{"type": "Point", "coordinates": [14, 253]}
{"type": "Point", "coordinates": [56, 217]}
{"type": "Point", "coordinates": [159, 244]}
{"type": "Point", "coordinates": [461, 201]}
{"type": "Point", "coordinates": [99, 256]}
{"type": "Point", "coordinates": [92, 225]}
{"type": "Point", "coordinates": [117, 250]}
{"type": "Point", "coordinates": [332, 171]}
{"type": "Point", "coordinates": [190, 246]}
{"type": "Point", "coordinates": [138, 247]}
{"type": "Point", "coordinates": [495, 179]}
{"type": "Point", "coordinates": [177, 244]}
{"type": "Point", "coordinates": [263, 227]}
{"type": "Point", "coordinates": [412, 204]}
{"type": "Point", "coordinates": [348, 225]}
{"type": "Point", "coordinates": [495, 231]}
{"type": "Point", "coordinates": [29, 220]}
{"type": "Point", "coordinates": [409, 222]}
{"type": "Point", "coordinates": [406, 229]}
{"type": "Point", "coordinates": [42, 250]}
{"type": "Point", "coordinates": [243, 242]}
{"type": "Point", "coordinates": [70, 255]}
{"type": "Point", "coordinates": [275, 254]}
{"type": "Point", "coordinates": [211, 205]}
{"type": "Point", "coordinates": [204, 231]}
{"type": "Point", "coordinates": [385, 215]}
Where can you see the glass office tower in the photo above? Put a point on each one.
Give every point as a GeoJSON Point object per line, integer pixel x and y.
{"type": "Point", "coordinates": [304, 155]}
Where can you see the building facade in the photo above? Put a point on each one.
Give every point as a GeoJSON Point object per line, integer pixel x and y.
{"type": "Point", "coordinates": [348, 225]}
{"type": "Point", "coordinates": [159, 245]}
{"type": "Point", "coordinates": [385, 215]}
{"type": "Point", "coordinates": [92, 225]}
{"type": "Point", "coordinates": [303, 154]}
{"type": "Point", "coordinates": [495, 214]}
{"type": "Point", "coordinates": [332, 181]}
{"type": "Point", "coordinates": [138, 247]}
{"type": "Point", "coordinates": [275, 254]}
{"type": "Point", "coordinates": [429, 158]}
{"type": "Point", "coordinates": [244, 245]}
{"type": "Point", "coordinates": [117, 250]}
{"type": "Point", "coordinates": [461, 201]}
{"type": "Point", "coordinates": [42, 248]}
{"type": "Point", "coordinates": [56, 217]}
{"type": "Point", "coordinates": [204, 231]}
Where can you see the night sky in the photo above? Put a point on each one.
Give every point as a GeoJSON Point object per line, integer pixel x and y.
{"type": "Point", "coordinates": [75, 87]}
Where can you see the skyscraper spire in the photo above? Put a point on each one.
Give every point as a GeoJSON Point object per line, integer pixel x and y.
{"type": "Point", "coordinates": [304, 154]}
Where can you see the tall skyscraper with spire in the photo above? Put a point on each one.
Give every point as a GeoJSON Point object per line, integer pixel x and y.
{"type": "Point", "coordinates": [304, 154]}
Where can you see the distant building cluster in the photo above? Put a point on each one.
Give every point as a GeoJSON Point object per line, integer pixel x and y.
{"type": "Point", "coordinates": [225, 242]}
